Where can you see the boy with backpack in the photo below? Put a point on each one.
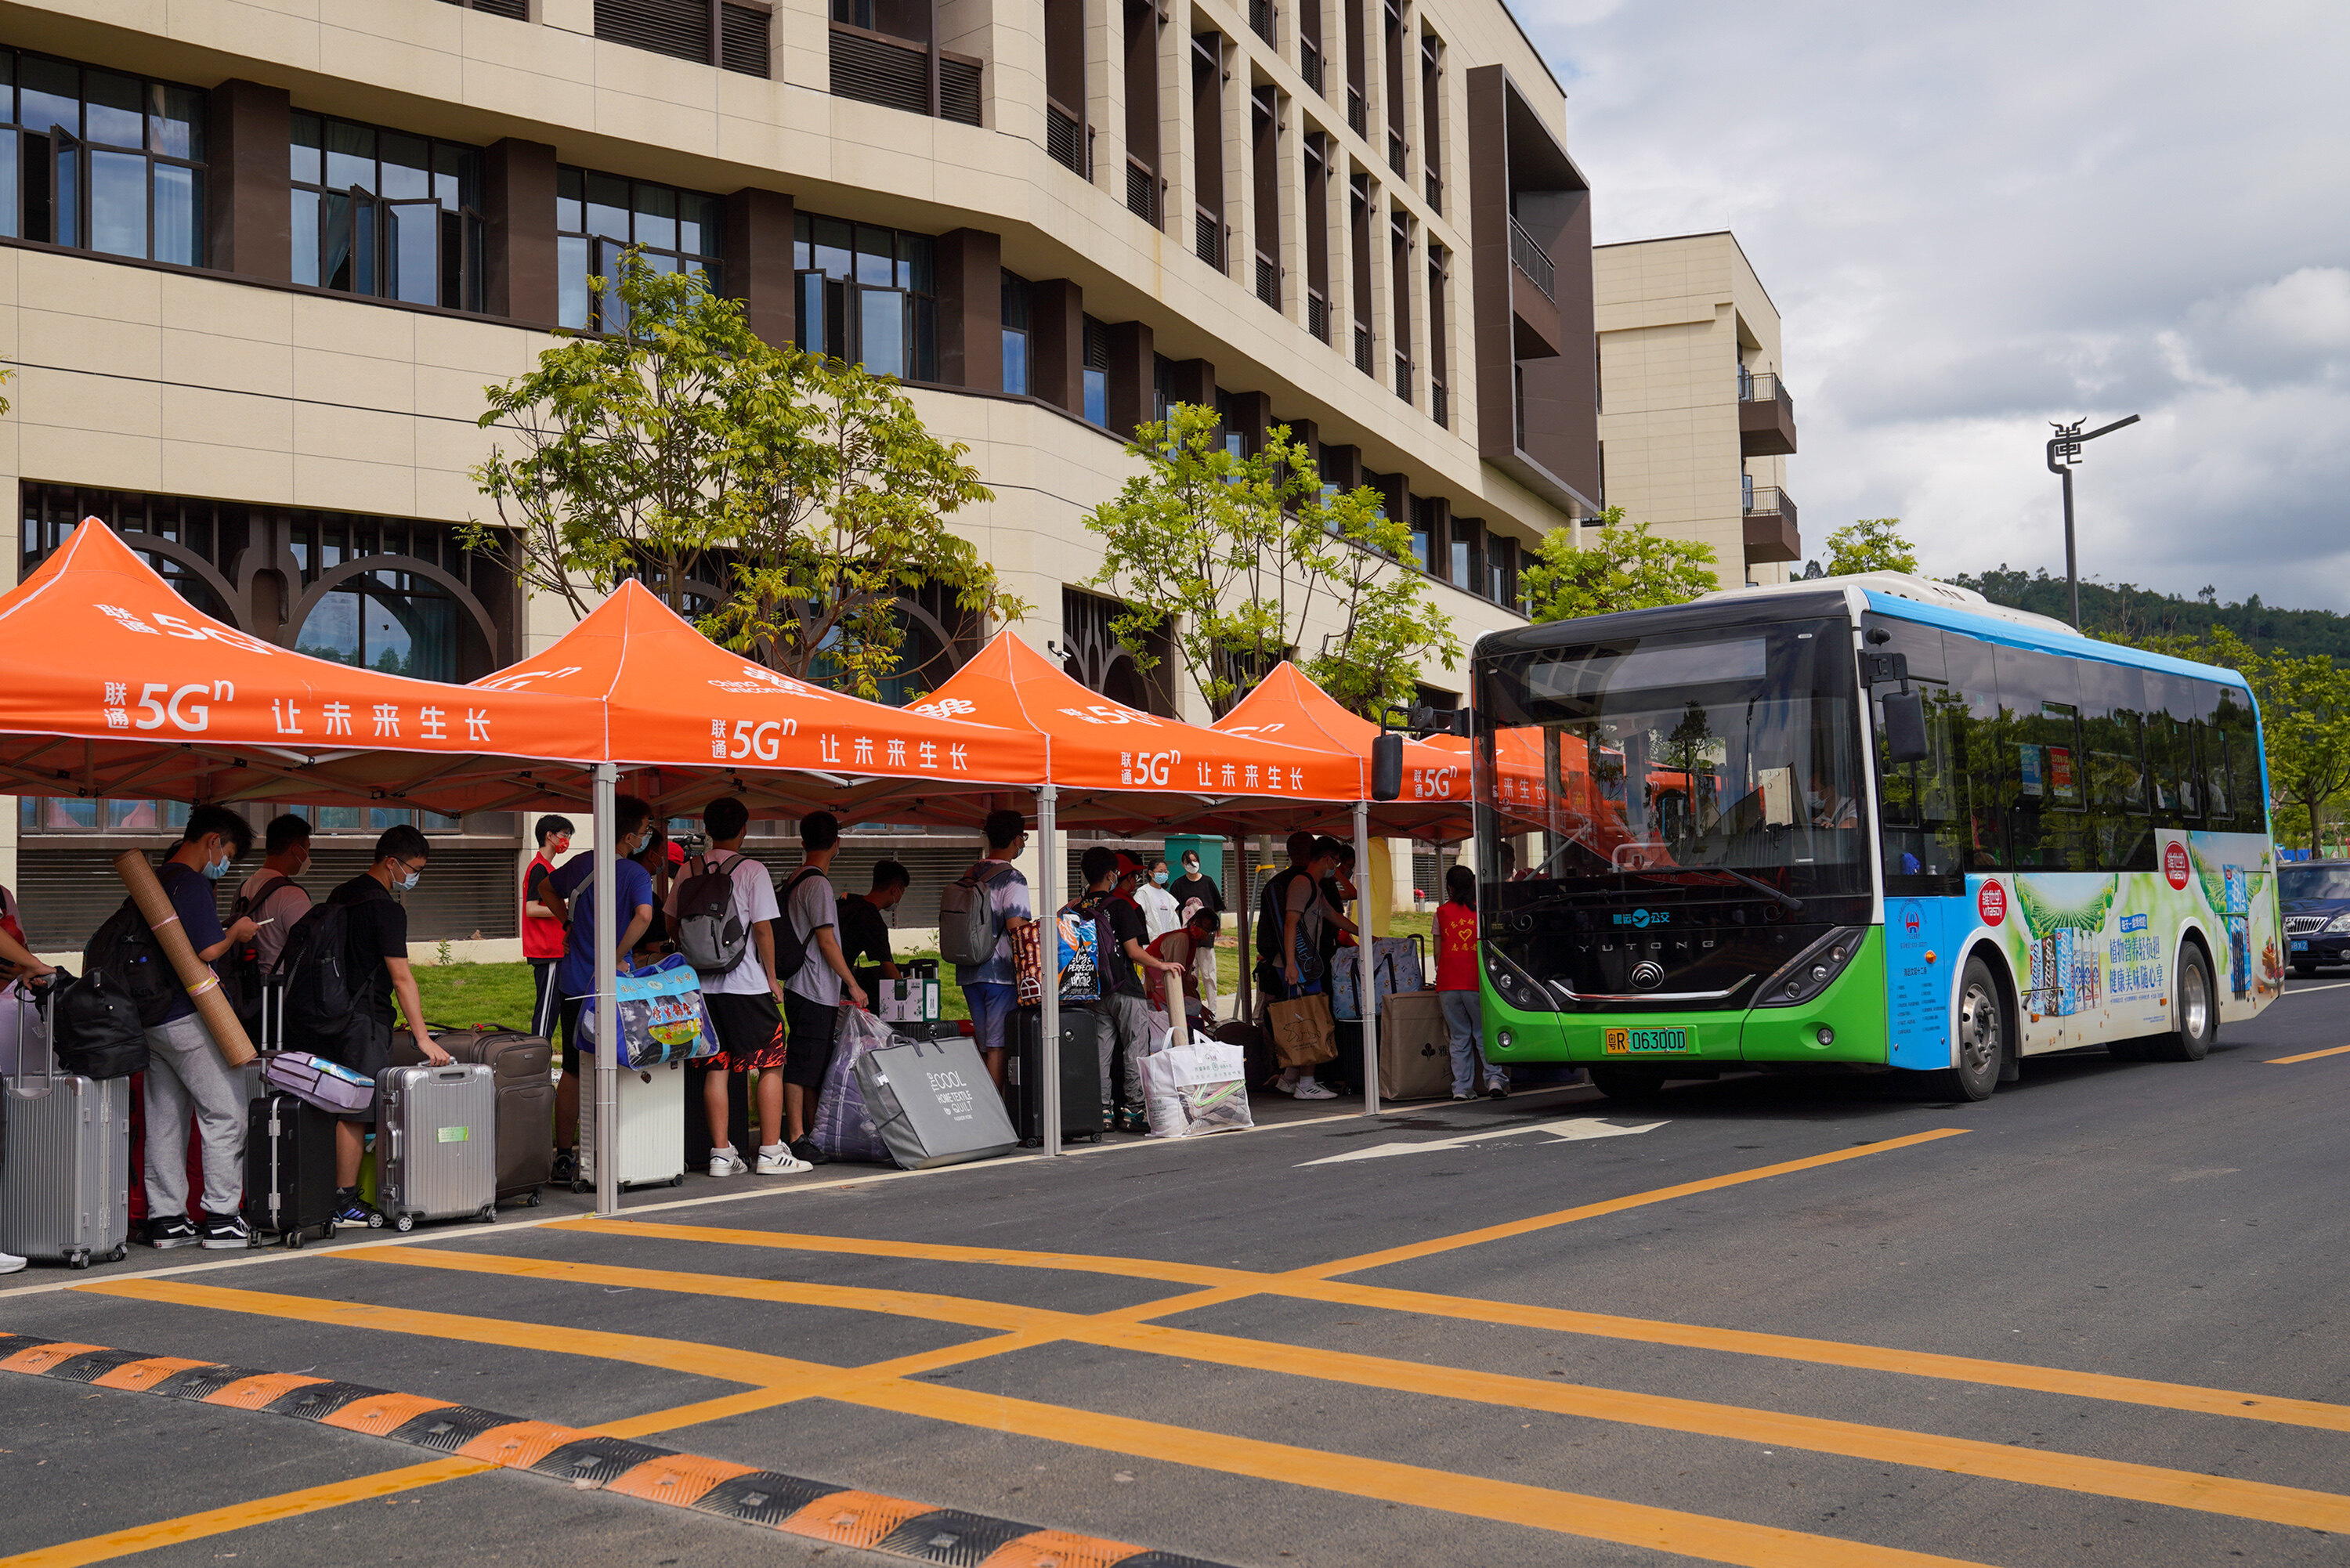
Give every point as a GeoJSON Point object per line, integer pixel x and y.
{"type": "Point", "coordinates": [274, 901]}
{"type": "Point", "coordinates": [184, 1069]}
{"type": "Point", "coordinates": [977, 915]}
{"type": "Point", "coordinates": [816, 980]}
{"type": "Point", "coordinates": [632, 911]}
{"type": "Point", "coordinates": [721, 915]}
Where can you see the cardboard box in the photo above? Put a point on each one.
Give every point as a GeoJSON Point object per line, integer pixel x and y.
{"type": "Point", "coordinates": [905, 1001]}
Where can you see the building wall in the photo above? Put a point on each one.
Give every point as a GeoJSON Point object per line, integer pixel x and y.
{"type": "Point", "coordinates": [1676, 318]}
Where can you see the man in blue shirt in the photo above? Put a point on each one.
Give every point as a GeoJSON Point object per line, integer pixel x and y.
{"type": "Point", "coordinates": [632, 899]}
{"type": "Point", "coordinates": [184, 1069]}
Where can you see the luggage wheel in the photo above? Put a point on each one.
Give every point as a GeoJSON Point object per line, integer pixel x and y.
{"type": "Point", "coordinates": [678, 1180]}
{"type": "Point", "coordinates": [489, 1214]}
{"type": "Point", "coordinates": [405, 1224]}
{"type": "Point", "coordinates": [328, 1234]}
{"type": "Point", "coordinates": [375, 1221]}
{"type": "Point", "coordinates": [77, 1260]}
{"type": "Point", "coordinates": [531, 1201]}
{"type": "Point", "coordinates": [293, 1240]}
{"type": "Point", "coordinates": [122, 1251]}
{"type": "Point", "coordinates": [1032, 1143]}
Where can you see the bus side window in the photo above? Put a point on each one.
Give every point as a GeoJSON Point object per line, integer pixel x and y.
{"type": "Point", "coordinates": [2112, 702]}
{"type": "Point", "coordinates": [2212, 751]}
{"type": "Point", "coordinates": [1924, 828]}
{"type": "Point", "coordinates": [2040, 709]}
{"type": "Point", "coordinates": [2171, 703]}
{"type": "Point", "coordinates": [2235, 720]}
{"type": "Point", "coordinates": [1984, 773]}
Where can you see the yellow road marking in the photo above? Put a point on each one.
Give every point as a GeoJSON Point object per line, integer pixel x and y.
{"type": "Point", "coordinates": [2308, 1057]}
{"type": "Point", "coordinates": [1961, 1456]}
{"type": "Point", "coordinates": [1593, 1518]}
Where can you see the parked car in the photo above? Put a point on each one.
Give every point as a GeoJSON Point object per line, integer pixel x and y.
{"type": "Point", "coordinates": [2316, 912]}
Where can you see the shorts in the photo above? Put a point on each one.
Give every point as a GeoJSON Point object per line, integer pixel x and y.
{"type": "Point", "coordinates": [814, 1026]}
{"type": "Point", "coordinates": [365, 1047]}
{"type": "Point", "coordinates": [750, 1029]}
{"type": "Point", "coordinates": [991, 1003]}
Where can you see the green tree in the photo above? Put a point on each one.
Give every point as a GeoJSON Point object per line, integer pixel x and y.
{"type": "Point", "coordinates": [1869, 545]}
{"type": "Point", "coordinates": [1624, 568]}
{"type": "Point", "coordinates": [681, 449]}
{"type": "Point", "coordinates": [1236, 558]}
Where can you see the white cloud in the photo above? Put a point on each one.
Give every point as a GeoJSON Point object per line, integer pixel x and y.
{"type": "Point", "coordinates": [1976, 220]}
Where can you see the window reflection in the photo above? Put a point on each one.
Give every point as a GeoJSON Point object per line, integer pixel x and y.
{"type": "Point", "coordinates": [100, 160]}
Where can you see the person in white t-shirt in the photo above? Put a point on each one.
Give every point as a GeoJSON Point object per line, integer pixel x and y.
{"type": "Point", "coordinates": [1160, 913]}
{"type": "Point", "coordinates": [746, 1002]}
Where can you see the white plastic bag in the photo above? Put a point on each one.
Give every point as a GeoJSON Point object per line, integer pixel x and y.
{"type": "Point", "coordinates": [1196, 1088]}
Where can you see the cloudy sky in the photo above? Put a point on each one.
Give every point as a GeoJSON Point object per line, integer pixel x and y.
{"type": "Point", "coordinates": [1975, 219]}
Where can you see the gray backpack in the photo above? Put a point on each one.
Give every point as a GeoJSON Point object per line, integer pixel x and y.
{"type": "Point", "coordinates": [711, 935]}
{"type": "Point", "coordinates": [968, 927]}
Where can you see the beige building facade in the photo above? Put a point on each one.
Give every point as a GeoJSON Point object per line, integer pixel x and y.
{"type": "Point", "coordinates": [1696, 424]}
{"type": "Point", "coordinates": [259, 261]}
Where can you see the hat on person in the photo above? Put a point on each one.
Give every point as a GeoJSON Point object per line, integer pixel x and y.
{"type": "Point", "coordinates": [1128, 866]}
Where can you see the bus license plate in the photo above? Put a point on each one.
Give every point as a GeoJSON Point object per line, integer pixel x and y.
{"type": "Point", "coordinates": [1646, 1041]}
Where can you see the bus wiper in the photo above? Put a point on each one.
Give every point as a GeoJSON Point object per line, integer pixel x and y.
{"type": "Point", "coordinates": [1786, 899]}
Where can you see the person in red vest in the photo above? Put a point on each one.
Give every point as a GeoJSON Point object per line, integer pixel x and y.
{"type": "Point", "coordinates": [544, 931]}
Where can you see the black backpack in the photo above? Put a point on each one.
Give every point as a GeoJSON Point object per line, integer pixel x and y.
{"type": "Point", "coordinates": [93, 1026]}
{"type": "Point", "coordinates": [712, 937]}
{"type": "Point", "coordinates": [791, 948]}
{"type": "Point", "coordinates": [125, 951]}
{"type": "Point", "coordinates": [315, 970]}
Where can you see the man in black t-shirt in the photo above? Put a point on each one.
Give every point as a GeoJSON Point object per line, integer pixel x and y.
{"type": "Point", "coordinates": [863, 933]}
{"type": "Point", "coordinates": [1119, 934]}
{"type": "Point", "coordinates": [376, 938]}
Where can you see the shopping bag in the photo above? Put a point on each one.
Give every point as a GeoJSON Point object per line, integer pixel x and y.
{"type": "Point", "coordinates": [1196, 1088]}
{"type": "Point", "coordinates": [843, 1129]}
{"type": "Point", "coordinates": [1079, 961]}
{"type": "Point", "coordinates": [1304, 1032]}
{"type": "Point", "coordinates": [1345, 991]}
{"type": "Point", "coordinates": [663, 1016]}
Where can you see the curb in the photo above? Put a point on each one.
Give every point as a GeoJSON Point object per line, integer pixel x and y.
{"type": "Point", "coordinates": [819, 1511]}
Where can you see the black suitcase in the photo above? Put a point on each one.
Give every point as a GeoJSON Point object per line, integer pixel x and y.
{"type": "Point", "coordinates": [1024, 1077]}
{"type": "Point", "coordinates": [289, 1169]}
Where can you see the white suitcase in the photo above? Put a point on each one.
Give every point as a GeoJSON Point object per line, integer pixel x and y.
{"type": "Point", "coordinates": [651, 1142]}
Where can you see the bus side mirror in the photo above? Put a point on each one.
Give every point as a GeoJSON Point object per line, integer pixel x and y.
{"type": "Point", "coordinates": [1904, 727]}
{"type": "Point", "coordinates": [1386, 766]}
{"type": "Point", "coordinates": [1461, 723]}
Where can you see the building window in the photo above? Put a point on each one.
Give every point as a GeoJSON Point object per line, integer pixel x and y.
{"type": "Point", "coordinates": [867, 294]}
{"type": "Point", "coordinates": [101, 161]}
{"type": "Point", "coordinates": [384, 214]}
{"type": "Point", "coordinates": [1097, 373]}
{"type": "Point", "coordinates": [728, 35]}
{"type": "Point", "coordinates": [600, 216]}
{"type": "Point", "coordinates": [1015, 333]}
{"type": "Point", "coordinates": [1162, 387]}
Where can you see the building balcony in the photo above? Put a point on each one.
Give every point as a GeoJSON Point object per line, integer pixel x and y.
{"type": "Point", "coordinates": [1766, 415]}
{"type": "Point", "coordinates": [1770, 525]}
{"type": "Point", "coordinates": [1534, 296]}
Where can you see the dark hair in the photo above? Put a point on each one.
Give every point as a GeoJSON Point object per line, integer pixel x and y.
{"type": "Point", "coordinates": [1300, 846]}
{"type": "Point", "coordinates": [1325, 848]}
{"type": "Point", "coordinates": [819, 830]}
{"type": "Point", "coordinates": [888, 874]}
{"type": "Point", "coordinates": [285, 832]}
{"type": "Point", "coordinates": [206, 820]}
{"type": "Point", "coordinates": [655, 846]}
{"type": "Point", "coordinates": [1460, 886]}
{"type": "Point", "coordinates": [1154, 862]}
{"type": "Point", "coordinates": [628, 813]}
{"type": "Point", "coordinates": [727, 816]}
{"type": "Point", "coordinates": [405, 842]}
{"type": "Point", "coordinates": [1098, 863]}
{"type": "Point", "coordinates": [1205, 920]}
{"type": "Point", "coordinates": [1005, 828]}
{"type": "Point", "coordinates": [548, 826]}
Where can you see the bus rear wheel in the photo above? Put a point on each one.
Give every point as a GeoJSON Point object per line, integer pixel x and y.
{"type": "Point", "coordinates": [1982, 1034]}
{"type": "Point", "coordinates": [1633, 1085]}
{"type": "Point", "coordinates": [2195, 1011]}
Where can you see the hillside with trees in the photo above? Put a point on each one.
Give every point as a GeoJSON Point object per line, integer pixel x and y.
{"type": "Point", "coordinates": [2132, 614]}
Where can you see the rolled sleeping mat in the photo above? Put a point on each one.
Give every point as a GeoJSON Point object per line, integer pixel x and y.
{"type": "Point", "coordinates": [203, 985]}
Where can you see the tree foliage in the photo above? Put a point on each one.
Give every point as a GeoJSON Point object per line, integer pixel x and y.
{"type": "Point", "coordinates": [1237, 558]}
{"type": "Point", "coordinates": [1869, 545]}
{"type": "Point", "coordinates": [683, 449]}
{"type": "Point", "coordinates": [2130, 613]}
{"type": "Point", "coordinates": [1622, 568]}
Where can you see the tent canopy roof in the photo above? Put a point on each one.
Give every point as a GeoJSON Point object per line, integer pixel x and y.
{"type": "Point", "coordinates": [1286, 705]}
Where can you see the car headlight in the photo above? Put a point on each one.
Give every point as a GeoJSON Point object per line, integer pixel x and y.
{"type": "Point", "coordinates": [1811, 971]}
{"type": "Point", "coordinates": [2339, 923]}
{"type": "Point", "coordinates": [1514, 985]}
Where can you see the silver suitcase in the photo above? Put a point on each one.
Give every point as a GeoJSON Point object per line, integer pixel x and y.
{"type": "Point", "coordinates": [436, 1143]}
{"type": "Point", "coordinates": [65, 1176]}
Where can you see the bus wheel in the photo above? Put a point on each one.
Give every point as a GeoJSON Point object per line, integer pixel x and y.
{"type": "Point", "coordinates": [2196, 1013]}
{"type": "Point", "coordinates": [1633, 1085]}
{"type": "Point", "coordinates": [1982, 1034]}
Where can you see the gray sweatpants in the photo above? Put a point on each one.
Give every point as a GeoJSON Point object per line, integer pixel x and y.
{"type": "Point", "coordinates": [184, 1072]}
{"type": "Point", "coordinates": [1130, 1026]}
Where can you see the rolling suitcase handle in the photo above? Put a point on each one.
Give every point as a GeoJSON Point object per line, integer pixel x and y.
{"type": "Point", "coordinates": [26, 1039]}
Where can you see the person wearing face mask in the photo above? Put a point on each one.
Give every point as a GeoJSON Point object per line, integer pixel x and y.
{"type": "Point", "coordinates": [184, 1070]}
{"type": "Point", "coordinates": [275, 900]}
{"type": "Point", "coordinates": [544, 916]}
{"type": "Point", "coordinates": [1161, 911]}
{"type": "Point", "coordinates": [377, 934]}
{"type": "Point", "coordinates": [1193, 885]}
{"type": "Point", "coordinates": [632, 909]}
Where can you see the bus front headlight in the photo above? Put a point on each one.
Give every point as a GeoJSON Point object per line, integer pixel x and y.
{"type": "Point", "coordinates": [1514, 986]}
{"type": "Point", "coordinates": [1813, 969]}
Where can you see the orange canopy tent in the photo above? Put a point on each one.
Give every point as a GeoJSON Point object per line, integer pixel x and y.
{"type": "Point", "coordinates": [685, 721]}
{"type": "Point", "coordinates": [116, 685]}
{"type": "Point", "coordinates": [1288, 706]}
{"type": "Point", "coordinates": [1119, 767]}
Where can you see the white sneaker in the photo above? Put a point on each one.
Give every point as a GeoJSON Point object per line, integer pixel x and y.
{"type": "Point", "coordinates": [1286, 1085]}
{"type": "Point", "coordinates": [10, 1262]}
{"type": "Point", "coordinates": [1308, 1089]}
{"type": "Point", "coordinates": [725, 1162]}
{"type": "Point", "coordinates": [783, 1162]}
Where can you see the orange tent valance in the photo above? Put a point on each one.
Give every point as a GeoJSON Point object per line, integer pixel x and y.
{"type": "Point", "coordinates": [1288, 706]}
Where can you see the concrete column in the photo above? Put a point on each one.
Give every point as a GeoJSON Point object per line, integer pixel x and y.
{"type": "Point", "coordinates": [1057, 344]}
{"type": "Point", "coordinates": [971, 309]}
{"type": "Point", "coordinates": [758, 259]}
{"type": "Point", "coordinates": [248, 206]}
{"type": "Point", "coordinates": [518, 242]}
{"type": "Point", "coordinates": [1133, 376]}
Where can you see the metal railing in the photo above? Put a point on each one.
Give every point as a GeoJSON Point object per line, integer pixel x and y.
{"type": "Point", "coordinates": [1309, 63]}
{"type": "Point", "coordinates": [1763, 387]}
{"type": "Point", "coordinates": [1261, 18]}
{"type": "Point", "coordinates": [1362, 349]}
{"type": "Point", "coordinates": [1766, 499]}
{"type": "Point", "coordinates": [1318, 316]}
{"type": "Point", "coordinates": [1208, 237]}
{"type": "Point", "coordinates": [1141, 189]}
{"type": "Point", "coordinates": [1439, 403]}
{"type": "Point", "coordinates": [1403, 378]}
{"type": "Point", "coordinates": [1268, 280]}
{"type": "Point", "coordinates": [1398, 152]}
{"type": "Point", "coordinates": [1435, 193]}
{"type": "Point", "coordinates": [1532, 260]}
{"type": "Point", "coordinates": [1358, 113]}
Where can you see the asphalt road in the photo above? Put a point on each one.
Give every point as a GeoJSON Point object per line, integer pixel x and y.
{"type": "Point", "coordinates": [1793, 1322]}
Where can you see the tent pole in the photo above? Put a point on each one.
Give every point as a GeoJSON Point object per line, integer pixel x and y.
{"type": "Point", "coordinates": [1047, 904]}
{"type": "Point", "coordinates": [607, 1002]}
{"type": "Point", "coordinates": [1367, 990]}
{"type": "Point", "coordinates": [1245, 1002]}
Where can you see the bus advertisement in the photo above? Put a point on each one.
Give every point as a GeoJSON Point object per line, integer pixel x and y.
{"type": "Point", "coordinates": [1874, 821]}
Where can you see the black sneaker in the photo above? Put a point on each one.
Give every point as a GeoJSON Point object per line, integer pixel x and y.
{"type": "Point", "coordinates": [806, 1150]}
{"type": "Point", "coordinates": [351, 1209]}
{"type": "Point", "coordinates": [565, 1169]}
{"type": "Point", "coordinates": [175, 1231]}
{"type": "Point", "coordinates": [224, 1232]}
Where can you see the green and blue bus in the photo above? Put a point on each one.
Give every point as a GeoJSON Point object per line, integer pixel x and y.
{"type": "Point", "coordinates": [1874, 821]}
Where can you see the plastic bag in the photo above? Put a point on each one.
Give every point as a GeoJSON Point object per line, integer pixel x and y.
{"type": "Point", "coordinates": [842, 1128]}
{"type": "Point", "coordinates": [663, 1016]}
{"type": "Point", "coordinates": [1196, 1088]}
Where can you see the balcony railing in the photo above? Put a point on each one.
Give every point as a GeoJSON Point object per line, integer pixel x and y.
{"type": "Point", "coordinates": [1268, 280]}
{"type": "Point", "coordinates": [1362, 349]}
{"type": "Point", "coordinates": [1439, 403]}
{"type": "Point", "coordinates": [1261, 19]}
{"type": "Point", "coordinates": [1318, 316]}
{"type": "Point", "coordinates": [1532, 260]}
{"type": "Point", "coordinates": [1208, 237]}
{"type": "Point", "coordinates": [875, 67]}
{"type": "Point", "coordinates": [1358, 113]}
{"type": "Point", "coordinates": [1403, 378]}
{"type": "Point", "coordinates": [1435, 193]}
{"type": "Point", "coordinates": [1142, 189]}
{"type": "Point", "coordinates": [1309, 63]}
{"type": "Point", "coordinates": [1768, 499]}
{"type": "Point", "coordinates": [1763, 387]}
{"type": "Point", "coordinates": [1070, 143]}
{"type": "Point", "coordinates": [1398, 152]}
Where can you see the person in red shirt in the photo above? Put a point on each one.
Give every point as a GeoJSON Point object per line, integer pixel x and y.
{"type": "Point", "coordinates": [1456, 987]}
{"type": "Point", "coordinates": [543, 923]}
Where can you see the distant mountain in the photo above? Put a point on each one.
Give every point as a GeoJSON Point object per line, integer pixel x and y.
{"type": "Point", "coordinates": [2126, 609]}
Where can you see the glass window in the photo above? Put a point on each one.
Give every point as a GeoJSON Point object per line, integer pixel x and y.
{"type": "Point", "coordinates": [100, 160]}
{"type": "Point", "coordinates": [2174, 704]}
{"type": "Point", "coordinates": [2234, 718]}
{"type": "Point", "coordinates": [1015, 333]}
{"type": "Point", "coordinates": [2113, 737]}
{"type": "Point", "coordinates": [867, 294]}
{"type": "Point", "coordinates": [599, 217]}
{"type": "Point", "coordinates": [2039, 701]}
{"type": "Point", "coordinates": [384, 213]}
{"type": "Point", "coordinates": [1097, 372]}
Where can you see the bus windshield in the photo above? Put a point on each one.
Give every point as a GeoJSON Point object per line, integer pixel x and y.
{"type": "Point", "coordinates": [1699, 767]}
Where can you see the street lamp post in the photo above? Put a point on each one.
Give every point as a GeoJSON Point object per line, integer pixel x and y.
{"type": "Point", "coordinates": [2064, 452]}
